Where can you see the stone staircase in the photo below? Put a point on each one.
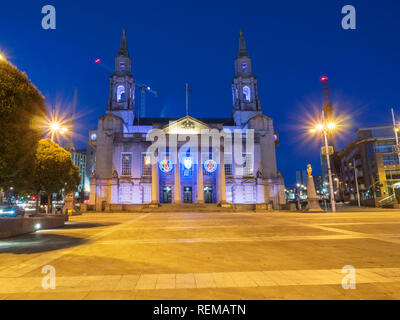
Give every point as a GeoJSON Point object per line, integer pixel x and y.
{"type": "Point", "coordinates": [185, 207]}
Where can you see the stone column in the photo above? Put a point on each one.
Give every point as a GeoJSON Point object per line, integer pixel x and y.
{"type": "Point", "coordinates": [177, 184]}
{"type": "Point", "coordinates": [154, 185]}
{"type": "Point", "coordinates": [221, 178]}
{"type": "Point", "coordinates": [115, 188]}
{"type": "Point", "coordinates": [92, 193]}
{"type": "Point", "coordinates": [200, 185]}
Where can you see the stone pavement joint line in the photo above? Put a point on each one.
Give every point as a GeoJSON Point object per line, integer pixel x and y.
{"type": "Point", "coordinates": [353, 233]}
{"type": "Point", "coordinates": [249, 239]}
{"type": "Point", "coordinates": [249, 279]}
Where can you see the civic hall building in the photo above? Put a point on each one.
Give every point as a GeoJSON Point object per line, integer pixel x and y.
{"type": "Point", "coordinates": [129, 173]}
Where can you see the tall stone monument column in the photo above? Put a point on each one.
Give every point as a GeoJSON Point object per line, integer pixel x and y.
{"type": "Point", "coordinates": [312, 198]}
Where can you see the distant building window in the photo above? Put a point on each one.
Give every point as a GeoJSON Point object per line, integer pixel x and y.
{"type": "Point", "coordinates": [228, 164]}
{"type": "Point", "coordinates": [384, 147]}
{"type": "Point", "coordinates": [392, 174]}
{"type": "Point", "coordinates": [146, 165]}
{"type": "Point", "coordinates": [246, 93]}
{"type": "Point", "coordinates": [121, 93]}
{"type": "Point", "coordinates": [244, 67]}
{"type": "Point", "coordinates": [126, 164]}
{"type": "Point", "coordinates": [248, 165]}
{"type": "Point", "coordinates": [390, 160]}
{"type": "Point", "coordinates": [122, 66]}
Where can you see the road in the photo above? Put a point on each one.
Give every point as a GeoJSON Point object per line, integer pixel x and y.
{"type": "Point", "coordinates": [277, 255]}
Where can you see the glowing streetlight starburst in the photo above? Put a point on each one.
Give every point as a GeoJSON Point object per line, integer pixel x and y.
{"type": "Point", "coordinates": [54, 126]}
{"type": "Point", "coordinates": [331, 126]}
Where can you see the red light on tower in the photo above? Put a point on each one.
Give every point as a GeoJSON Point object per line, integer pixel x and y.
{"type": "Point", "coordinates": [324, 78]}
{"type": "Point", "coordinates": [97, 60]}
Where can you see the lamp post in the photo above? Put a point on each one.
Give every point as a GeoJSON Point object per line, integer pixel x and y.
{"type": "Point", "coordinates": [55, 127]}
{"type": "Point", "coordinates": [356, 182]}
{"type": "Point", "coordinates": [325, 127]}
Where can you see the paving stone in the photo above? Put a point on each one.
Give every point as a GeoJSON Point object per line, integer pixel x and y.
{"type": "Point", "coordinates": [191, 255]}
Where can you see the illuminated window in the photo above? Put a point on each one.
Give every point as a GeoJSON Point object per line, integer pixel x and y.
{"type": "Point", "coordinates": [246, 93]}
{"type": "Point", "coordinates": [392, 174]}
{"type": "Point", "coordinates": [390, 160]}
{"type": "Point", "coordinates": [146, 165]}
{"type": "Point", "coordinates": [248, 165]}
{"type": "Point", "coordinates": [126, 164]}
{"type": "Point", "coordinates": [120, 93]}
{"type": "Point", "coordinates": [228, 164]}
{"type": "Point", "coordinates": [384, 147]}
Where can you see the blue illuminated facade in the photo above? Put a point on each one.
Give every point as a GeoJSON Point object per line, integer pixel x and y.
{"type": "Point", "coordinates": [124, 173]}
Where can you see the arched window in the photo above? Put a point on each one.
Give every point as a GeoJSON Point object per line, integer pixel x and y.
{"type": "Point", "coordinates": [246, 93]}
{"type": "Point", "coordinates": [120, 93]}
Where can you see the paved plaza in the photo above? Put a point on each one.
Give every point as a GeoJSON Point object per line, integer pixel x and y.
{"type": "Point", "coordinates": [277, 255]}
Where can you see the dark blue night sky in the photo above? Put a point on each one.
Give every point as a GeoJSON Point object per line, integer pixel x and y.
{"type": "Point", "coordinates": [292, 43]}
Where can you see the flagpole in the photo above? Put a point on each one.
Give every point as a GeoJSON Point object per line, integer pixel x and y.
{"type": "Point", "coordinates": [187, 99]}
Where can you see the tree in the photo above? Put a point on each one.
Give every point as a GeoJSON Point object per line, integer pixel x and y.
{"type": "Point", "coordinates": [53, 171]}
{"type": "Point", "coordinates": [21, 107]}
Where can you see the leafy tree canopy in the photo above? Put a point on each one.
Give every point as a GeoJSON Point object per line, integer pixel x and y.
{"type": "Point", "coordinates": [21, 105]}
{"type": "Point", "coordinates": [53, 169]}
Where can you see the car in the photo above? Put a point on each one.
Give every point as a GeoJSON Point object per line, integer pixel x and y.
{"type": "Point", "coordinates": [11, 211]}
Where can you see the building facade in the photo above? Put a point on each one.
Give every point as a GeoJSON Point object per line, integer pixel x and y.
{"type": "Point", "coordinates": [370, 166]}
{"type": "Point", "coordinates": [188, 160]}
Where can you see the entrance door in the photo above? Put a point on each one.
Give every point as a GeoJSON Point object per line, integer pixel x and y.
{"type": "Point", "coordinates": [167, 195]}
{"type": "Point", "coordinates": [187, 195]}
{"type": "Point", "coordinates": [208, 195]}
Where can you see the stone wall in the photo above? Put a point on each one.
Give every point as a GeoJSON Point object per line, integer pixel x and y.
{"type": "Point", "coordinates": [10, 227]}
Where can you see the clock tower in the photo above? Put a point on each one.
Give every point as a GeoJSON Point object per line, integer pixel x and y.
{"type": "Point", "coordinates": [122, 87]}
{"type": "Point", "coordinates": [244, 87]}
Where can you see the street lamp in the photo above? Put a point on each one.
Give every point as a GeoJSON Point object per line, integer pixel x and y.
{"type": "Point", "coordinates": [325, 128]}
{"type": "Point", "coordinates": [55, 127]}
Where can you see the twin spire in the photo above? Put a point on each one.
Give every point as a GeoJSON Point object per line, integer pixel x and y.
{"type": "Point", "coordinates": [123, 50]}
{"type": "Point", "coordinates": [242, 46]}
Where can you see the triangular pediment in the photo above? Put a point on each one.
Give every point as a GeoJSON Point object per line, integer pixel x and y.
{"type": "Point", "coordinates": [187, 124]}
